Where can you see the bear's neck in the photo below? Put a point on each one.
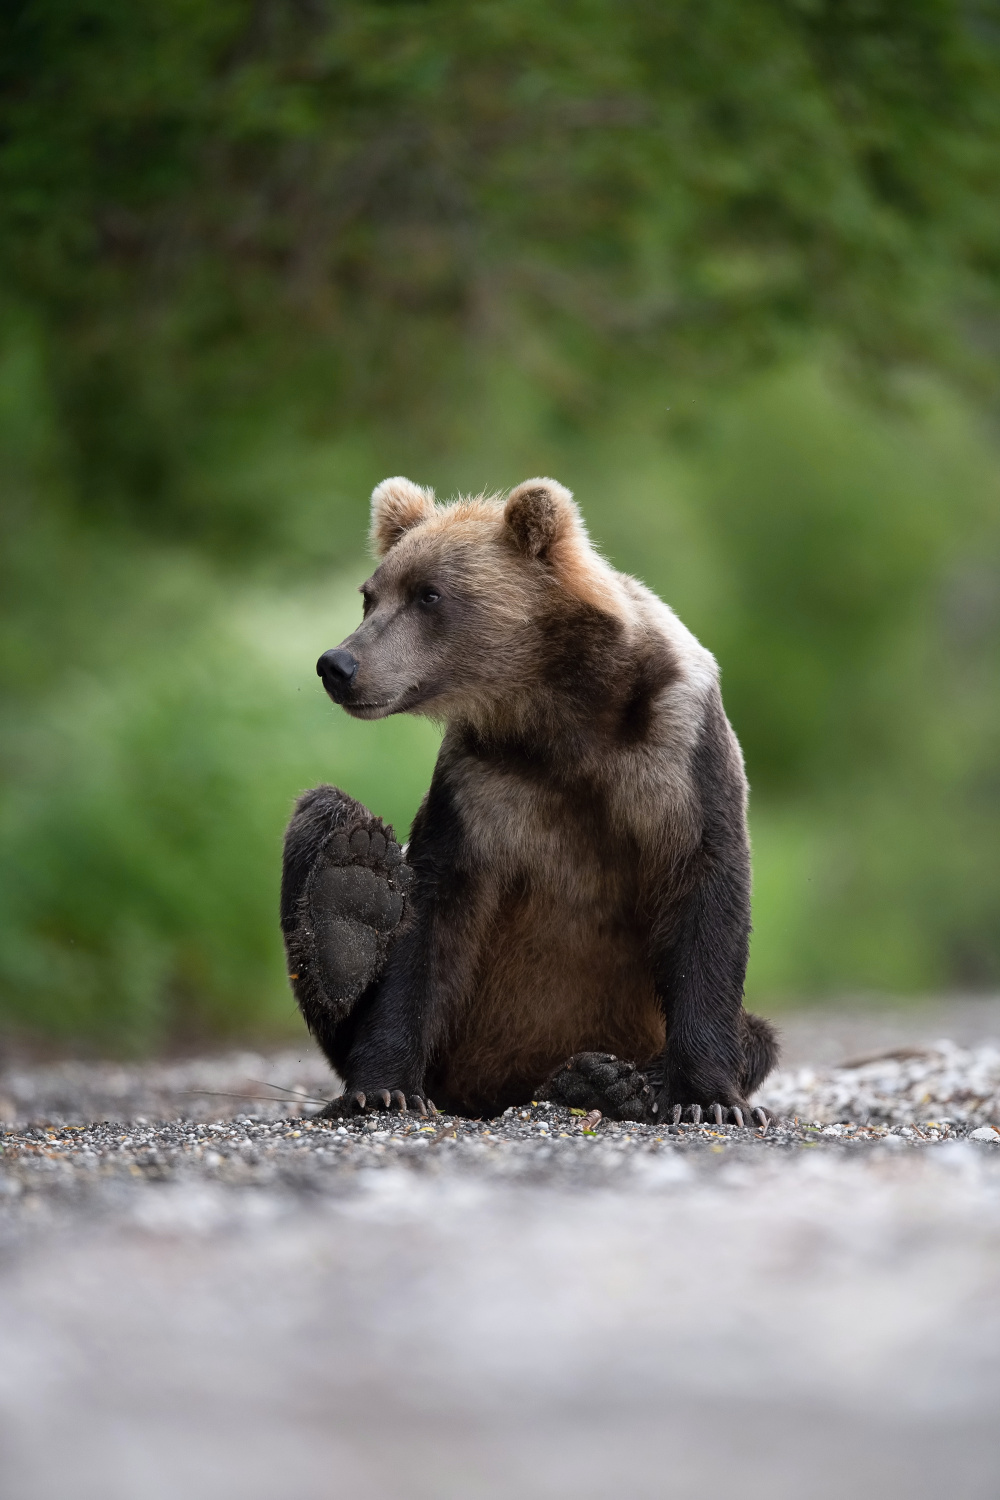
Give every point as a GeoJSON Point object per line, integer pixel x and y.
{"type": "Point", "coordinates": [585, 700]}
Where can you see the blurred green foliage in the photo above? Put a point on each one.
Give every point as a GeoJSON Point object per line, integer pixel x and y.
{"type": "Point", "coordinates": [730, 271]}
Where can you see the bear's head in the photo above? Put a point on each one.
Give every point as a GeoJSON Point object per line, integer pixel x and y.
{"type": "Point", "coordinates": [477, 606]}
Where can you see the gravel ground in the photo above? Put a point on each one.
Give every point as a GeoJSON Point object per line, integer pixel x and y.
{"type": "Point", "coordinates": [204, 1292]}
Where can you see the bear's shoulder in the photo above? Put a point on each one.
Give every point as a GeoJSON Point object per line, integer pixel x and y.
{"type": "Point", "coordinates": [652, 619]}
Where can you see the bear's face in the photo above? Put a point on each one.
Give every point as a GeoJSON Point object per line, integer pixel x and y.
{"type": "Point", "coordinates": [466, 601]}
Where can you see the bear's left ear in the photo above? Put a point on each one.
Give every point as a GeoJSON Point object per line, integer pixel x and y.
{"type": "Point", "coordinates": [539, 513]}
{"type": "Point", "coordinates": [397, 504]}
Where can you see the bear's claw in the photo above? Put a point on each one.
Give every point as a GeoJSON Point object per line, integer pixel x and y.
{"type": "Point", "coordinates": [746, 1117]}
{"type": "Point", "coordinates": [357, 1102]}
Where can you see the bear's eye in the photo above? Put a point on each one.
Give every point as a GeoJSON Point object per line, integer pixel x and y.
{"type": "Point", "coordinates": [428, 595]}
{"type": "Point", "coordinates": [366, 601]}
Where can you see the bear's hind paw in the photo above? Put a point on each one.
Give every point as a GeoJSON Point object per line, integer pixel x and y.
{"type": "Point", "coordinates": [350, 904]}
{"type": "Point", "coordinates": [599, 1080]}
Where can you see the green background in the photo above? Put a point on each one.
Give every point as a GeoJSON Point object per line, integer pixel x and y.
{"type": "Point", "coordinates": [729, 271]}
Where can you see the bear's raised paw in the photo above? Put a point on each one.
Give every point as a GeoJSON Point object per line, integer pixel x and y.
{"type": "Point", "coordinates": [344, 896]}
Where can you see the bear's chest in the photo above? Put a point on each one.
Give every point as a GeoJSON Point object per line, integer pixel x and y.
{"type": "Point", "coordinates": [556, 833]}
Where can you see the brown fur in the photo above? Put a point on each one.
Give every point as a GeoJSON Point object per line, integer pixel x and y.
{"type": "Point", "coordinates": [580, 713]}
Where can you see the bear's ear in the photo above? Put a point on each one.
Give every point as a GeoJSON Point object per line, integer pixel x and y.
{"type": "Point", "coordinates": [539, 513]}
{"type": "Point", "coordinates": [397, 504]}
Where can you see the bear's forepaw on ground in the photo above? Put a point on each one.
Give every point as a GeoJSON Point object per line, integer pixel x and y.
{"type": "Point", "coordinates": [373, 1101]}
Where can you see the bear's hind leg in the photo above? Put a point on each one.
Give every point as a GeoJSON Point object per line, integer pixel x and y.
{"type": "Point", "coordinates": [760, 1052]}
{"type": "Point", "coordinates": [342, 898]}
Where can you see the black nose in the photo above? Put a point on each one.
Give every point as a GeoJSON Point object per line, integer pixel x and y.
{"type": "Point", "coordinates": [337, 669]}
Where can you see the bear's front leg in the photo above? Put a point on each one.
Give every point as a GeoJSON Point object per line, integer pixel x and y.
{"type": "Point", "coordinates": [387, 1055]}
{"type": "Point", "coordinates": [343, 899]}
{"type": "Point", "coordinates": [709, 1066]}
{"type": "Point", "coordinates": [402, 1023]}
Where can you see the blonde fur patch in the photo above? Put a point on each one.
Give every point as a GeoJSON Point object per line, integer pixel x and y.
{"type": "Point", "coordinates": [397, 506]}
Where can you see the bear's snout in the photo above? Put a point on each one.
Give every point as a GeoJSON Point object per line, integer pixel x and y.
{"type": "Point", "coordinates": [337, 670]}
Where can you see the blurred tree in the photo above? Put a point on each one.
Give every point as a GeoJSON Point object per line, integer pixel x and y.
{"type": "Point", "coordinates": [344, 206]}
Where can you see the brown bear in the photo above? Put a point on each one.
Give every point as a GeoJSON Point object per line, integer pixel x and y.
{"type": "Point", "coordinates": [571, 916]}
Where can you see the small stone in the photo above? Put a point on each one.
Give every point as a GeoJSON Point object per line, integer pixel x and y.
{"type": "Point", "coordinates": [986, 1133]}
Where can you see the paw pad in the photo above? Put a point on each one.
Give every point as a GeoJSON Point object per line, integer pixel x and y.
{"type": "Point", "coordinates": [601, 1081]}
{"type": "Point", "coordinates": [350, 901]}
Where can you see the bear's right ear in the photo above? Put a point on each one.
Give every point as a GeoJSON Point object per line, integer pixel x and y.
{"type": "Point", "coordinates": [397, 504]}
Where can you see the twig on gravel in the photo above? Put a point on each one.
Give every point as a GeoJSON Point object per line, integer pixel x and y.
{"type": "Point", "coordinates": [890, 1054]}
{"type": "Point", "coordinates": [295, 1093]}
{"type": "Point", "coordinates": [254, 1098]}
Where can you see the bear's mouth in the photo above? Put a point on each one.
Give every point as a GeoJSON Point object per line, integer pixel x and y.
{"type": "Point", "coordinates": [368, 710]}
{"type": "Point", "coordinates": [402, 703]}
